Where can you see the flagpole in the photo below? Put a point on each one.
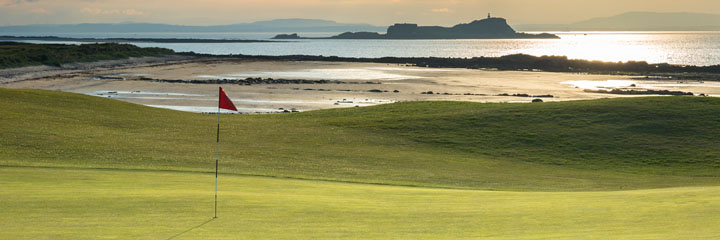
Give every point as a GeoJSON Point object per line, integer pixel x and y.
{"type": "Point", "coordinates": [224, 102]}
{"type": "Point", "coordinates": [217, 159]}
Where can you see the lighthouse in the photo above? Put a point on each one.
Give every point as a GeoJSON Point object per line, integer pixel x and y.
{"type": "Point", "coordinates": [489, 16]}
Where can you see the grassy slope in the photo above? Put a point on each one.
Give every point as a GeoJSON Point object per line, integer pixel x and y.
{"type": "Point", "coordinates": [410, 143]}
{"type": "Point", "coordinates": [592, 145]}
{"type": "Point", "coordinates": [39, 203]}
{"type": "Point", "coordinates": [13, 54]}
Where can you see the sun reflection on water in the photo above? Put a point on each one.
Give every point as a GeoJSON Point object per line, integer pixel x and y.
{"type": "Point", "coordinates": [609, 47]}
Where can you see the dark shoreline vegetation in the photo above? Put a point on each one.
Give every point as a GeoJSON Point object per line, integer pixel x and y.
{"type": "Point", "coordinates": [127, 40]}
{"type": "Point", "coordinates": [521, 62]}
{"type": "Point", "coordinates": [14, 54]}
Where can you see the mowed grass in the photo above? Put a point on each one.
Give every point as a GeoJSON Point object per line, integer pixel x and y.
{"type": "Point", "coordinates": [612, 144]}
{"type": "Point", "coordinates": [81, 167]}
{"type": "Point", "coordinates": [50, 203]}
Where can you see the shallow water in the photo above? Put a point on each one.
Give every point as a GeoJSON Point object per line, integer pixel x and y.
{"type": "Point", "coordinates": [327, 74]}
{"type": "Point", "coordinates": [595, 85]}
{"type": "Point", "coordinates": [112, 92]}
{"type": "Point", "coordinates": [639, 84]}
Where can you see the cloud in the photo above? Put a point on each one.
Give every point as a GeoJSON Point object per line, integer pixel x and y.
{"type": "Point", "coordinates": [12, 3]}
{"type": "Point", "coordinates": [440, 10]}
{"type": "Point", "coordinates": [39, 11]}
{"type": "Point", "coordinates": [98, 11]}
{"type": "Point", "coordinates": [132, 12]}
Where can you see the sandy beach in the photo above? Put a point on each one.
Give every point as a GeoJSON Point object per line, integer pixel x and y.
{"type": "Point", "coordinates": [345, 84]}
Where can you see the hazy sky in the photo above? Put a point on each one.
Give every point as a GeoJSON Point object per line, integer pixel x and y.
{"type": "Point", "coordinates": [378, 12]}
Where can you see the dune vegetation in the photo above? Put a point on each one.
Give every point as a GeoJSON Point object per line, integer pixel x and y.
{"type": "Point", "coordinates": [16, 54]}
{"type": "Point", "coordinates": [606, 144]}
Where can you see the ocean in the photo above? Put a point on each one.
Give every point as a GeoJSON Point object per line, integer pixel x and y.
{"type": "Point", "coordinates": [685, 48]}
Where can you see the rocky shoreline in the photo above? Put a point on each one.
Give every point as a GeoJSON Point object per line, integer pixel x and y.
{"type": "Point", "coordinates": [642, 92]}
{"type": "Point", "coordinates": [247, 81]}
{"type": "Point", "coordinates": [516, 62]}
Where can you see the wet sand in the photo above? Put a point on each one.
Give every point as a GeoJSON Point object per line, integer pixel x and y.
{"type": "Point", "coordinates": [362, 84]}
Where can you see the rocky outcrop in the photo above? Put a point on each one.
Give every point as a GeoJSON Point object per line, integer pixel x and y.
{"type": "Point", "coordinates": [287, 36]}
{"type": "Point", "coordinates": [486, 28]}
{"type": "Point", "coordinates": [246, 81]}
{"type": "Point", "coordinates": [490, 28]}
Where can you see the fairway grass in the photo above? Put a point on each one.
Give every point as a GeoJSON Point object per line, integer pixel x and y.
{"type": "Point", "coordinates": [52, 203]}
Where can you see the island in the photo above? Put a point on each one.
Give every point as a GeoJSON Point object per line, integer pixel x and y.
{"type": "Point", "coordinates": [489, 28]}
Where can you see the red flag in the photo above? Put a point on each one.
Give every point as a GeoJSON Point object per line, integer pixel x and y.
{"type": "Point", "coordinates": [225, 102]}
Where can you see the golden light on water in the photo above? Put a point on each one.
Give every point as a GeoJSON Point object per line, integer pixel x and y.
{"type": "Point", "coordinates": [612, 48]}
{"type": "Point", "coordinates": [609, 47]}
{"type": "Point", "coordinates": [690, 48]}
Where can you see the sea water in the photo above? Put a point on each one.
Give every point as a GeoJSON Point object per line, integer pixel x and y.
{"type": "Point", "coordinates": [687, 48]}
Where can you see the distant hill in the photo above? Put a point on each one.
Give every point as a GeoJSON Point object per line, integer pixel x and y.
{"type": "Point", "coordinates": [637, 21]}
{"type": "Point", "coordinates": [278, 25]}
